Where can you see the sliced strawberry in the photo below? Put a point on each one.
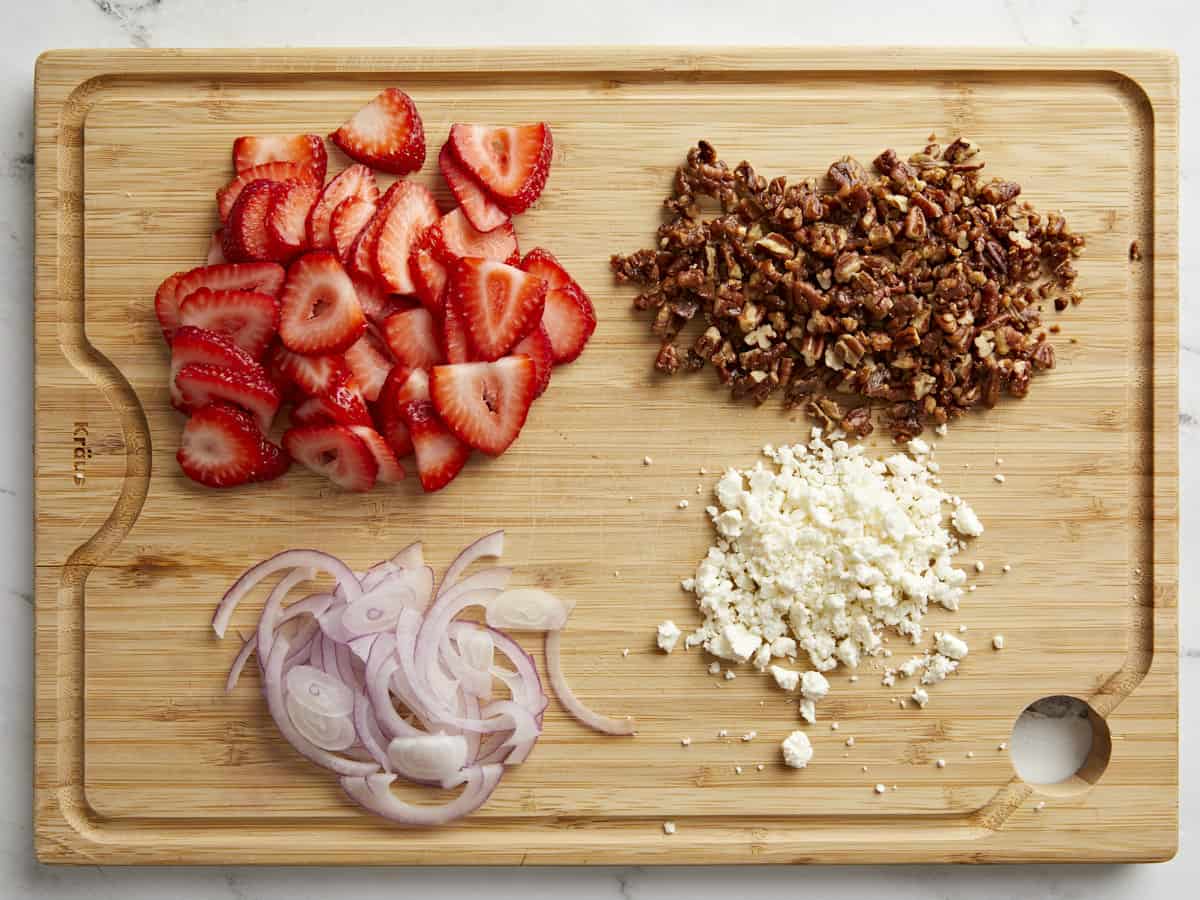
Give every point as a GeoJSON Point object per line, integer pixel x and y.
{"type": "Point", "coordinates": [479, 208]}
{"type": "Point", "coordinates": [303, 149]}
{"type": "Point", "coordinates": [536, 345]}
{"type": "Point", "coordinates": [272, 462]}
{"type": "Point", "coordinates": [389, 422]}
{"type": "Point", "coordinates": [319, 309]}
{"type": "Point", "coordinates": [499, 303]}
{"type": "Point", "coordinates": [411, 212]}
{"type": "Point", "coordinates": [385, 134]}
{"type": "Point", "coordinates": [485, 404]}
{"type": "Point", "coordinates": [510, 162]}
{"type": "Point", "coordinates": [221, 447]}
{"type": "Point", "coordinates": [348, 221]}
{"type": "Point", "coordinates": [311, 411]}
{"type": "Point", "coordinates": [272, 171]}
{"type": "Point", "coordinates": [390, 469]}
{"type": "Point", "coordinates": [429, 276]}
{"type": "Point", "coordinates": [341, 404]}
{"type": "Point", "coordinates": [455, 344]}
{"type": "Point", "coordinates": [246, 238]}
{"type": "Point", "coordinates": [166, 304]}
{"type": "Point", "coordinates": [355, 181]}
{"type": "Point", "coordinates": [250, 318]}
{"type": "Point", "coordinates": [361, 258]}
{"type": "Point", "coordinates": [312, 374]}
{"type": "Point", "coordinates": [453, 237]}
{"type": "Point", "coordinates": [440, 455]}
{"type": "Point", "coordinates": [370, 362]}
{"type": "Point", "coordinates": [287, 220]}
{"type": "Point", "coordinates": [216, 251]}
{"type": "Point", "coordinates": [569, 318]}
{"type": "Point", "coordinates": [377, 304]}
{"type": "Point", "coordinates": [413, 339]}
{"type": "Point", "coordinates": [264, 277]}
{"type": "Point", "coordinates": [335, 452]}
{"type": "Point", "coordinates": [201, 384]}
{"type": "Point", "coordinates": [197, 345]}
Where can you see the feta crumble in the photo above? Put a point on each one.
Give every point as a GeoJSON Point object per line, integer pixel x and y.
{"type": "Point", "coordinates": [668, 636]}
{"type": "Point", "coordinates": [797, 750]}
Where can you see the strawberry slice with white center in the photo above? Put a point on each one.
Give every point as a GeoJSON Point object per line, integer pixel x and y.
{"type": "Point", "coordinates": [389, 421]}
{"type": "Point", "coordinates": [222, 447]}
{"type": "Point", "coordinates": [485, 404]}
{"type": "Point", "coordinates": [360, 259]}
{"type": "Point", "coordinates": [370, 362]}
{"type": "Point", "coordinates": [306, 150]}
{"type": "Point", "coordinates": [312, 374]}
{"type": "Point", "coordinates": [412, 211]}
{"type": "Point", "coordinates": [348, 221]}
{"type": "Point", "coordinates": [246, 238]}
{"type": "Point", "coordinates": [264, 277]}
{"type": "Point", "coordinates": [453, 237]}
{"type": "Point", "coordinates": [499, 303]}
{"type": "Point", "coordinates": [536, 345]}
{"type": "Point", "coordinates": [354, 181]}
{"type": "Point", "coordinates": [342, 404]}
{"type": "Point", "coordinates": [250, 318]}
{"type": "Point", "coordinates": [319, 308]}
{"type": "Point", "coordinates": [216, 249]}
{"type": "Point", "coordinates": [455, 344]}
{"type": "Point", "coordinates": [511, 162]}
{"type": "Point", "coordinates": [198, 345]}
{"type": "Point", "coordinates": [429, 276]}
{"type": "Point", "coordinates": [311, 411]}
{"type": "Point", "coordinates": [272, 462]}
{"type": "Point", "coordinates": [385, 134]}
{"type": "Point", "coordinates": [569, 318]}
{"type": "Point", "coordinates": [334, 451]}
{"type": "Point", "coordinates": [412, 337]}
{"type": "Point", "coordinates": [390, 469]}
{"type": "Point", "coordinates": [287, 220]}
{"type": "Point", "coordinates": [377, 304]}
{"type": "Point", "coordinates": [272, 171]}
{"type": "Point", "coordinates": [479, 208]}
{"type": "Point", "coordinates": [201, 384]}
{"type": "Point", "coordinates": [440, 455]}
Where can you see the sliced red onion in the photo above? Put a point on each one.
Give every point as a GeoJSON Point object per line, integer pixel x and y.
{"type": "Point", "coordinates": [471, 665]}
{"type": "Point", "coordinates": [377, 610]}
{"type": "Point", "coordinates": [477, 646]}
{"type": "Point", "coordinates": [319, 692]}
{"type": "Point", "coordinates": [411, 557]}
{"type": "Point", "coordinates": [369, 735]}
{"type": "Point", "coordinates": [327, 732]}
{"type": "Point", "coordinates": [374, 793]}
{"type": "Point", "coordinates": [239, 663]}
{"type": "Point", "coordinates": [488, 546]}
{"type": "Point", "coordinates": [346, 668]}
{"type": "Point", "coordinates": [379, 672]}
{"type": "Point", "coordinates": [378, 574]}
{"type": "Point", "coordinates": [429, 757]}
{"type": "Point", "coordinates": [528, 609]}
{"type": "Point", "coordinates": [288, 559]}
{"type": "Point", "coordinates": [573, 704]}
{"type": "Point", "coordinates": [361, 647]}
{"type": "Point", "coordinates": [272, 611]}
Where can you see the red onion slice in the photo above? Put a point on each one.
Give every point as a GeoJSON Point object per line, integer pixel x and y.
{"type": "Point", "coordinates": [573, 704]}
{"type": "Point", "coordinates": [239, 663]}
{"type": "Point", "coordinates": [380, 667]}
{"type": "Point", "coordinates": [488, 546]}
{"type": "Point", "coordinates": [288, 559]}
{"type": "Point", "coordinates": [327, 732]}
{"type": "Point", "coordinates": [318, 691]}
{"type": "Point", "coordinates": [374, 793]}
{"type": "Point", "coordinates": [528, 609]}
{"type": "Point", "coordinates": [377, 610]}
{"type": "Point", "coordinates": [269, 619]}
{"type": "Point", "coordinates": [369, 735]}
{"type": "Point", "coordinates": [411, 557]}
{"type": "Point", "coordinates": [429, 757]}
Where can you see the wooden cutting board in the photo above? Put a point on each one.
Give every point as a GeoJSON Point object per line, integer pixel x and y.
{"type": "Point", "coordinates": [140, 757]}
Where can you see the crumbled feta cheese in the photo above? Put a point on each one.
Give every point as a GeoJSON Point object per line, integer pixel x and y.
{"type": "Point", "coordinates": [913, 665]}
{"type": "Point", "coordinates": [625, 652]}
{"type": "Point", "coordinates": [849, 742]}
{"type": "Point", "coordinates": [646, 460]}
{"type": "Point", "coordinates": [966, 521]}
{"type": "Point", "coordinates": [834, 726]}
{"type": "Point", "coordinates": [788, 679]}
{"type": "Point", "coordinates": [683, 504]}
{"type": "Point", "coordinates": [938, 669]}
{"type": "Point", "coordinates": [920, 696]}
{"type": "Point", "coordinates": [759, 767]}
{"type": "Point", "coordinates": [979, 567]}
{"type": "Point", "coordinates": [797, 751]}
{"type": "Point", "coordinates": [668, 827]}
{"type": "Point", "coordinates": [941, 764]}
{"type": "Point", "coordinates": [724, 732]}
{"type": "Point", "coordinates": [1006, 568]}
{"type": "Point", "coordinates": [749, 736]}
{"type": "Point", "coordinates": [714, 668]}
{"type": "Point", "coordinates": [814, 685]}
{"type": "Point", "coordinates": [687, 741]}
{"type": "Point", "coordinates": [950, 645]}
{"type": "Point", "coordinates": [880, 788]}
{"type": "Point", "coordinates": [999, 478]}
{"type": "Point", "coordinates": [998, 642]}
{"type": "Point", "coordinates": [668, 636]}
{"type": "Point", "coordinates": [737, 770]}
{"type": "Point", "coordinates": [730, 675]}
{"type": "Point", "coordinates": [808, 711]}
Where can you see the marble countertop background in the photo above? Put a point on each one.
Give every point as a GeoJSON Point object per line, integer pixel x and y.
{"type": "Point", "coordinates": [30, 28]}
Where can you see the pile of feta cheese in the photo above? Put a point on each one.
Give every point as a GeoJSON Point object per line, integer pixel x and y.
{"type": "Point", "coordinates": [818, 555]}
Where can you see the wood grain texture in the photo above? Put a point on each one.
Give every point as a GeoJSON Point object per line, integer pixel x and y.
{"type": "Point", "coordinates": [141, 759]}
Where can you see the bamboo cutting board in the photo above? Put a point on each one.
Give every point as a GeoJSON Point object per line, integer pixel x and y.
{"type": "Point", "coordinates": [141, 759]}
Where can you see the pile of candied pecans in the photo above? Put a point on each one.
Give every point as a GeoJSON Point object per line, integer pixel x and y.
{"type": "Point", "coordinates": [919, 288]}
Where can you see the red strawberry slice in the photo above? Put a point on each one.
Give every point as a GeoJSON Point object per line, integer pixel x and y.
{"type": "Point", "coordinates": [412, 337]}
{"type": "Point", "coordinates": [334, 451]}
{"type": "Point", "coordinates": [221, 447]}
{"type": "Point", "coordinates": [272, 463]}
{"type": "Point", "coordinates": [479, 208]}
{"type": "Point", "coordinates": [440, 455]}
{"type": "Point", "coordinates": [390, 469]}
{"type": "Point", "coordinates": [312, 374]}
{"type": "Point", "coordinates": [287, 220]}
{"type": "Point", "coordinates": [428, 275]}
{"type": "Point", "coordinates": [370, 362]}
{"type": "Point", "coordinates": [303, 149]}
{"type": "Point", "coordinates": [569, 318]}
{"type": "Point", "coordinates": [536, 345]}
{"type": "Point", "coordinates": [348, 221]}
{"type": "Point", "coordinates": [197, 345]}
{"type": "Point", "coordinates": [361, 258]}
{"type": "Point", "coordinates": [453, 237]}
{"type": "Point", "coordinates": [355, 181]}
{"type": "Point", "coordinates": [311, 411]}
{"type": "Point", "coordinates": [319, 309]}
{"type": "Point", "coordinates": [272, 171]}
{"type": "Point", "coordinates": [250, 318]}
{"type": "Point", "coordinates": [264, 277]}
{"type": "Point", "coordinates": [201, 384]}
{"type": "Point", "coordinates": [386, 411]}
{"type": "Point", "coordinates": [500, 304]}
{"type": "Point", "coordinates": [246, 238]}
{"type": "Point", "coordinates": [485, 404]}
{"type": "Point", "coordinates": [341, 404]}
{"type": "Point", "coordinates": [511, 162]}
{"type": "Point", "coordinates": [216, 251]}
{"type": "Point", "coordinates": [412, 211]}
{"type": "Point", "coordinates": [377, 304]}
{"type": "Point", "coordinates": [455, 344]}
{"type": "Point", "coordinates": [166, 304]}
{"type": "Point", "coordinates": [385, 134]}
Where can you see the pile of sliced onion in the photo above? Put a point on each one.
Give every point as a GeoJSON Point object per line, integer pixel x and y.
{"type": "Point", "coordinates": [379, 679]}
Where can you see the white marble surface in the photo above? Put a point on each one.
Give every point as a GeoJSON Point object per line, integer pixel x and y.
{"type": "Point", "coordinates": [31, 27]}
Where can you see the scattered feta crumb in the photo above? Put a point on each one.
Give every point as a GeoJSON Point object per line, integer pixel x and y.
{"type": "Point", "coordinates": [788, 679]}
{"type": "Point", "coordinates": [749, 736]}
{"type": "Point", "coordinates": [970, 754]}
{"type": "Point", "coordinates": [853, 678]}
{"type": "Point", "coordinates": [629, 498]}
{"type": "Point", "coordinates": [941, 764]}
{"type": "Point", "coordinates": [724, 732]}
{"type": "Point", "coordinates": [714, 668]}
{"type": "Point", "coordinates": [814, 686]}
{"type": "Point", "coordinates": [850, 742]}
{"type": "Point", "coordinates": [668, 827]}
{"type": "Point", "coordinates": [808, 711]}
{"type": "Point", "coordinates": [668, 636]}
{"type": "Point", "coordinates": [966, 521]}
{"type": "Point", "coordinates": [760, 767]}
{"type": "Point", "coordinates": [949, 645]}
{"type": "Point", "coordinates": [737, 770]}
{"type": "Point", "coordinates": [646, 461]}
{"type": "Point", "coordinates": [979, 567]}
{"type": "Point", "coordinates": [971, 589]}
{"type": "Point", "coordinates": [940, 667]}
{"type": "Point", "coordinates": [999, 460]}
{"type": "Point", "coordinates": [864, 768]}
{"type": "Point", "coordinates": [730, 675]}
{"type": "Point", "coordinates": [797, 750]}
{"type": "Point", "coordinates": [683, 504]}
{"type": "Point", "coordinates": [1040, 806]}
{"type": "Point", "coordinates": [1002, 746]}
{"type": "Point", "coordinates": [998, 642]}
{"type": "Point", "coordinates": [879, 788]}
{"type": "Point", "coordinates": [999, 477]}
{"type": "Point", "coordinates": [903, 705]}
{"type": "Point", "coordinates": [1006, 568]}
{"type": "Point", "coordinates": [687, 741]}
{"type": "Point", "coordinates": [962, 629]}
{"type": "Point", "coordinates": [920, 696]}
{"type": "Point", "coordinates": [625, 652]}
{"type": "Point", "coordinates": [699, 489]}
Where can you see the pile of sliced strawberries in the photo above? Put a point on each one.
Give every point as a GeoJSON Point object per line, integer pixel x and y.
{"type": "Point", "coordinates": [395, 328]}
